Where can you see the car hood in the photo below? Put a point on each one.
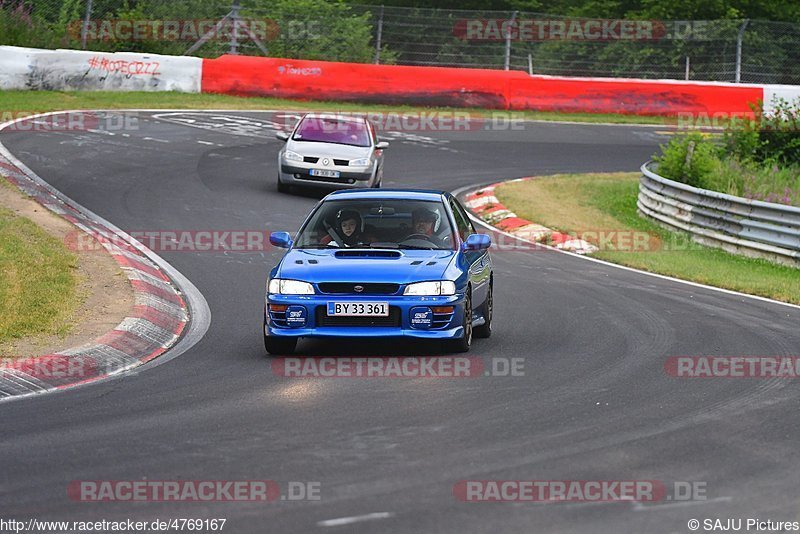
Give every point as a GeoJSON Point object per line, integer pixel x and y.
{"type": "Point", "coordinates": [331, 150]}
{"type": "Point", "coordinates": [365, 265]}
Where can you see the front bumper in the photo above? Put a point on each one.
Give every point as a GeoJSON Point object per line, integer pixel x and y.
{"type": "Point", "coordinates": [443, 325]}
{"type": "Point", "coordinates": [299, 174]}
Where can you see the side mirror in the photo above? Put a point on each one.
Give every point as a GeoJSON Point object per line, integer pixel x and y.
{"type": "Point", "coordinates": [283, 136]}
{"type": "Point", "coordinates": [280, 239]}
{"type": "Point", "coordinates": [381, 145]}
{"type": "Point", "coordinates": [477, 242]}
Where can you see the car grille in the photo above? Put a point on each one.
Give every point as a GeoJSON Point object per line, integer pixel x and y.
{"type": "Point", "coordinates": [393, 319]}
{"type": "Point", "coordinates": [348, 288]}
{"type": "Point", "coordinates": [314, 159]}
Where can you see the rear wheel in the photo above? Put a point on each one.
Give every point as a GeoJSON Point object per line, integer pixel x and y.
{"type": "Point", "coordinates": [485, 330]}
{"type": "Point", "coordinates": [464, 343]}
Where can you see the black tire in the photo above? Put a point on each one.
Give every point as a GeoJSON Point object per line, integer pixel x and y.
{"type": "Point", "coordinates": [280, 346]}
{"type": "Point", "coordinates": [282, 187]}
{"type": "Point", "coordinates": [485, 330]}
{"type": "Point", "coordinates": [464, 343]}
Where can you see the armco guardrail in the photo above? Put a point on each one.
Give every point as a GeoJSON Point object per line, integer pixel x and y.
{"type": "Point", "coordinates": [739, 225]}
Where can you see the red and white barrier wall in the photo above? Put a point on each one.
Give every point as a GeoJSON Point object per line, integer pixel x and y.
{"type": "Point", "coordinates": [24, 68]}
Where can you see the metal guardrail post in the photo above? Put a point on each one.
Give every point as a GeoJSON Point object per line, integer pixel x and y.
{"type": "Point", "coordinates": [507, 59]}
{"type": "Point", "coordinates": [378, 37]}
{"type": "Point", "coordinates": [739, 39]}
{"type": "Point", "coordinates": [85, 27]}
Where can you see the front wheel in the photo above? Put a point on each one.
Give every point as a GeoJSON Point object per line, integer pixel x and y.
{"type": "Point", "coordinates": [279, 346]}
{"type": "Point", "coordinates": [485, 330]}
{"type": "Point", "coordinates": [282, 187]}
{"type": "Point", "coordinates": [463, 343]}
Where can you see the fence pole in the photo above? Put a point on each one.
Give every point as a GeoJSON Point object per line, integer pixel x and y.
{"type": "Point", "coordinates": [235, 29]}
{"type": "Point", "coordinates": [507, 60]}
{"type": "Point", "coordinates": [739, 39]}
{"type": "Point", "coordinates": [378, 38]}
{"type": "Point", "coordinates": [85, 28]}
{"type": "Point", "coordinates": [530, 65]}
{"type": "Point", "coordinates": [686, 75]}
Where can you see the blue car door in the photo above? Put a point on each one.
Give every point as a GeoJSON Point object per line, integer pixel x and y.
{"type": "Point", "coordinates": [478, 261]}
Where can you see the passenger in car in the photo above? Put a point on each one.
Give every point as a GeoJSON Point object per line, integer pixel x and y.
{"type": "Point", "coordinates": [350, 229]}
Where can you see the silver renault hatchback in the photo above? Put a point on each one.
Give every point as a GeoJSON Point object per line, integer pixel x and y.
{"type": "Point", "coordinates": [331, 151]}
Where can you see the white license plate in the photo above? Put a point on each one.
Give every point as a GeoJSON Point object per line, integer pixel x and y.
{"type": "Point", "coordinates": [325, 173]}
{"type": "Point", "coordinates": [358, 309]}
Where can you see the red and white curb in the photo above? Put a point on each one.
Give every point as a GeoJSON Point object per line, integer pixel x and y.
{"type": "Point", "coordinates": [157, 322]}
{"type": "Point", "coordinates": [489, 209]}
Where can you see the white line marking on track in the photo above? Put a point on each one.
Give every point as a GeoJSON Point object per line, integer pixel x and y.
{"type": "Point", "coordinates": [155, 139]}
{"type": "Point", "coordinates": [639, 507]}
{"type": "Point", "coordinates": [355, 519]}
{"type": "Point", "coordinates": [205, 142]}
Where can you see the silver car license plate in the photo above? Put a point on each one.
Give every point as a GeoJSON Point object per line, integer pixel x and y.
{"type": "Point", "coordinates": [324, 173]}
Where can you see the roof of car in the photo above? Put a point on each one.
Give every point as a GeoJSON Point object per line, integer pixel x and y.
{"type": "Point", "coordinates": [394, 194]}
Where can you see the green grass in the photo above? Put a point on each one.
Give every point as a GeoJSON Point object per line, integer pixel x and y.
{"type": "Point", "coordinates": [42, 101]}
{"type": "Point", "coordinates": [38, 286]}
{"type": "Point", "coordinates": [607, 202]}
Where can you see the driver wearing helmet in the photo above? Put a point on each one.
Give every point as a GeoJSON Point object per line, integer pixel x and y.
{"type": "Point", "coordinates": [350, 228]}
{"type": "Point", "coordinates": [423, 221]}
{"type": "Point", "coordinates": [424, 224]}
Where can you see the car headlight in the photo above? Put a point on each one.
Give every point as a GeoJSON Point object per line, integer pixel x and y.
{"type": "Point", "coordinates": [363, 162]}
{"type": "Point", "coordinates": [445, 287]}
{"type": "Point", "coordinates": [278, 286]}
{"type": "Point", "coordinates": [292, 156]}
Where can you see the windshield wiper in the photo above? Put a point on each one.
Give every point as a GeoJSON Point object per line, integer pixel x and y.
{"type": "Point", "coordinates": [415, 247]}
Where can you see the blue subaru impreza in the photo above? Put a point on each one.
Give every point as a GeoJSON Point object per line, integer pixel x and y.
{"type": "Point", "coordinates": [381, 263]}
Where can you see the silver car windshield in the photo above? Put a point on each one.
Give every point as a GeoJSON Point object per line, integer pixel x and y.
{"type": "Point", "coordinates": [378, 223]}
{"type": "Point", "coordinates": [333, 130]}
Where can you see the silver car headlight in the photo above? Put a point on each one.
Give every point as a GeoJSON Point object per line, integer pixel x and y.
{"type": "Point", "coordinates": [444, 287]}
{"type": "Point", "coordinates": [278, 286]}
{"type": "Point", "coordinates": [292, 156]}
{"type": "Point", "coordinates": [363, 162]}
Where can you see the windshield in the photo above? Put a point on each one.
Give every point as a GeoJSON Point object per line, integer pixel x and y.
{"type": "Point", "coordinates": [378, 223]}
{"type": "Point", "coordinates": [332, 130]}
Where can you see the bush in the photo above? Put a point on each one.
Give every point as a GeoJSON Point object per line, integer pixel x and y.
{"type": "Point", "coordinates": [688, 158]}
{"type": "Point", "coordinates": [772, 139]}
